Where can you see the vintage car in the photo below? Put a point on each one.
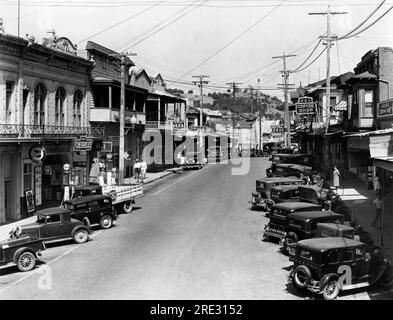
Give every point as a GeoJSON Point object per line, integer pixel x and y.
{"type": "Point", "coordinates": [328, 265]}
{"type": "Point", "coordinates": [296, 158]}
{"type": "Point", "coordinates": [123, 196]}
{"type": "Point", "coordinates": [56, 224]}
{"type": "Point", "coordinates": [284, 193]}
{"type": "Point", "coordinates": [259, 199]}
{"type": "Point", "coordinates": [287, 170]}
{"type": "Point", "coordinates": [214, 154]}
{"type": "Point", "coordinates": [93, 209]}
{"type": "Point", "coordinates": [194, 160]}
{"type": "Point", "coordinates": [276, 227]}
{"type": "Point", "coordinates": [23, 251]}
{"type": "Point", "coordinates": [303, 225]}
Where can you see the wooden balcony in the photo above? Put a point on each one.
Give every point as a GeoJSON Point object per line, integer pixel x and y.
{"type": "Point", "coordinates": [113, 115]}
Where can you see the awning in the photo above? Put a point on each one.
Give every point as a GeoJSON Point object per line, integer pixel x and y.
{"type": "Point", "coordinates": [341, 106]}
{"type": "Point", "coordinates": [383, 162]}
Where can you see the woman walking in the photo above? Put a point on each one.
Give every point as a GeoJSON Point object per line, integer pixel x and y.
{"type": "Point", "coordinates": [336, 178]}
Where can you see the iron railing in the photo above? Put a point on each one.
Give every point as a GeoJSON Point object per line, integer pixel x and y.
{"type": "Point", "coordinates": [34, 131]}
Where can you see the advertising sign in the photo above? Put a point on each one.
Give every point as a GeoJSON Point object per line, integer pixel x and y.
{"type": "Point", "coordinates": [29, 201]}
{"type": "Point", "coordinates": [305, 105]}
{"type": "Point", "coordinates": [38, 185]}
{"type": "Point", "coordinates": [83, 144]}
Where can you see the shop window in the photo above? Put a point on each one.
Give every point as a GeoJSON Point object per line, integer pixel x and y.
{"type": "Point", "coordinates": [366, 99]}
{"type": "Point", "coordinates": [27, 176]}
{"type": "Point", "coordinates": [59, 106]}
{"type": "Point", "coordinates": [77, 104]}
{"type": "Point", "coordinates": [10, 85]}
{"type": "Point", "coordinates": [39, 104]}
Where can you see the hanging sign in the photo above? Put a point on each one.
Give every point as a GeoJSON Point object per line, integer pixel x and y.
{"type": "Point", "coordinates": [29, 201]}
{"type": "Point", "coordinates": [305, 105]}
{"type": "Point", "coordinates": [37, 153]}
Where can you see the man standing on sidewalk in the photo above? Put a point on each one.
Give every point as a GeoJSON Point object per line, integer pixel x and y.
{"type": "Point", "coordinates": [378, 203]}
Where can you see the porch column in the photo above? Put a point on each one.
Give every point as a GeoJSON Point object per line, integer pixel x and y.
{"type": "Point", "coordinates": [110, 97]}
{"type": "Point", "coordinates": [159, 110]}
{"type": "Point", "coordinates": [19, 100]}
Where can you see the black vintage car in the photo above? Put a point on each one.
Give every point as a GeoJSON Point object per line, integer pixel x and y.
{"type": "Point", "coordinates": [296, 158]}
{"type": "Point", "coordinates": [284, 193]}
{"type": "Point", "coordinates": [303, 225]}
{"type": "Point", "coordinates": [276, 227]}
{"type": "Point", "coordinates": [21, 250]}
{"type": "Point", "coordinates": [260, 198]}
{"type": "Point", "coordinates": [329, 265]}
{"type": "Point", "coordinates": [194, 160]}
{"type": "Point", "coordinates": [55, 224]}
{"type": "Point", "coordinates": [287, 170]}
{"type": "Point", "coordinates": [93, 209]}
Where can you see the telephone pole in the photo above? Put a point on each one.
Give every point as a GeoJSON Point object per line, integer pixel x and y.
{"type": "Point", "coordinates": [234, 88]}
{"type": "Point", "coordinates": [285, 75]}
{"type": "Point", "coordinates": [329, 38]}
{"type": "Point", "coordinates": [123, 64]}
{"type": "Point", "coordinates": [200, 84]}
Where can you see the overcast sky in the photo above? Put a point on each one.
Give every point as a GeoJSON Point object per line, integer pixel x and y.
{"type": "Point", "coordinates": [229, 40]}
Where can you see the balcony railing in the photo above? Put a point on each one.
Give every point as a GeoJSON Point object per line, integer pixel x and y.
{"type": "Point", "coordinates": [34, 131]}
{"type": "Point", "coordinates": [155, 125]}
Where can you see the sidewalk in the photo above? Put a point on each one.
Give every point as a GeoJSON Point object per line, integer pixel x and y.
{"type": "Point", "coordinates": [154, 176]}
{"type": "Point", "coordinates": [150, 177]}
{"type": "Point", "coordinates": [359, 200]}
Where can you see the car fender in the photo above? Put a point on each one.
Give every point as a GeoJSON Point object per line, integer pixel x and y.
{"type": "Point", "coordinates": [326, 278]}
{"type": "Point", "coordinates": [75, 229]}
{"type": "Point", "coordinates": [22, 250]}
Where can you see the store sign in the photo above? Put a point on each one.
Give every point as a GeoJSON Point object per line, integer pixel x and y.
{"type": "Point", "coordinates": [277, 129]}
{"type": "Point", "coordinates": [106, 146]}
{"type": "Point", "coordinates": [305, 105]}
{"type": "Point", "coordinates": [83, 144]}
{"type": "Point", "coordinates": [385, 108]}
{"type": "Point", "coordinates": [381, 146]}
{"type": "Point", "coordinates": [37, 153]}
{"type": "Point", "coordinates": [38, 185]}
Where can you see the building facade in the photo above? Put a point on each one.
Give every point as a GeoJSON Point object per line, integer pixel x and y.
{"type": "Point", "coordinates": [44, 121]}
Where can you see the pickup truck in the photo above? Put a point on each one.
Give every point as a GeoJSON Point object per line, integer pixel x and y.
{"type": "Point", "coordinates": [123, 196]}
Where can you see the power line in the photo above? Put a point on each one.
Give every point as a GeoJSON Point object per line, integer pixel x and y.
{"type": "Point", "coordinates": [120, 22]}
{"type": "Point", "coordinates": [163, 27]}
{"type": "Point", "coordinates": [309, 56]}
{"type": "Point", "coordinates": [316, 58]}
{"type": "Point", "coordinates": [233, 40]}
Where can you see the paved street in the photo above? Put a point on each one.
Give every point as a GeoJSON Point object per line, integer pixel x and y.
{"type": "Point", "coordinates": [191, 237]}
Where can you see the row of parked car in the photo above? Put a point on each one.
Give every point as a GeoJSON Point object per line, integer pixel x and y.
{"type": "Point", "coordinates": [72, 220]}
{"type": "Point", "coordinates": [316, 230]}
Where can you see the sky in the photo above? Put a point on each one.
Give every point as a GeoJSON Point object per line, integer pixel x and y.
{"type": "Point", "coordinates": [228, 40]}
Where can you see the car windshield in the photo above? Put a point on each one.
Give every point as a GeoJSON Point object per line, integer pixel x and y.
{"type": "Point", "coordinates": [307, 255]}
{"type": "Point", "coordinates": [41, 219]}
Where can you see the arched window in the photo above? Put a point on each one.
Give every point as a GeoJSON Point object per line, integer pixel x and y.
{"type": "Point", "coordinates": [77, 104]}
{"type": "Point", "coordinates": [59, 106]}
{"type": "Point", "coordinates": [39, 104]}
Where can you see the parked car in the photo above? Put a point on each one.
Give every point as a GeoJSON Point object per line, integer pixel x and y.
{"type": "Point", "coordinates": [259, 199]}
{"type": "Point", "coordinates": [55, 224]}
{"type": "Point", "coordinates": [194, 160]}
{"type": "Point", "coordinates": [276, 227]}
{"type": "Point", "coordinates": [296, 158]}
{"type": "Point", "coordinates": [319, 264]}
{"type": "Point", "coordinates": [21, 250]}
{"type": "Point", "coordinates": [284, 193]}
{"type": "Point", "coordinates": [287, 170]}
{"type": "Point", "coordinates": [215, 154]}
{"type": "Point", "coordinates": [93, 209]}
{"type": "Point", "coordinates": [303, 225]}
{"type": "Point", "coordinates": [123, 196]}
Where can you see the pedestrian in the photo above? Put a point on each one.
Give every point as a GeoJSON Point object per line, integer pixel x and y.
{"type": "Point", "coordinates": [143, 169]}
{"type": "Point", "coordinates": [378, 204]}
{"type": "Point", "coordinates": [137, 169]}
{"type": "Point", "coordinates": [336, 178]}
{"type": "Point", "coordinates": [377, 185]}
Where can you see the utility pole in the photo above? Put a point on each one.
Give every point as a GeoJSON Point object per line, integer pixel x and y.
{"type": "Point", "coordinates": [123, 64]}
{"type": "Point", "coordinates": [285, 75]}
{"type": "Point", "coordinates": [234, 88]}
{"type": "Point", "coordinates": [328, 42]}
{"type": "Point", "coordinates": [200, 84]}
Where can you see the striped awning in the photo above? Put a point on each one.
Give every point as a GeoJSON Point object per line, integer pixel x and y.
{"type": "Point", "coordinates": [341, 106]}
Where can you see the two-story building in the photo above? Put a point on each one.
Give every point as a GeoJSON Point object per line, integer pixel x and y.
{"type": "Point", "coordinates": [44, 121]}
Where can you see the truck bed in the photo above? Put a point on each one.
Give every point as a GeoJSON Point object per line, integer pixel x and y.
{"type": "Point", "coordinates": [124, 192]}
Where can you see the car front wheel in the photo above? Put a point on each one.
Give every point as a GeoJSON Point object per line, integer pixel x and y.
{"type": "Point", "coordinates": [26, 261]}
{"type": "Point", "coordinates": [81, 236]}
{"type": "Point", "coordinates": [331, 290]}
{"type": "Point", "coordinates": [106, 222]}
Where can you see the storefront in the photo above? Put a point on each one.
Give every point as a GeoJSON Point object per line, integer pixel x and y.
{"type": "Point", "coordinates": [359, 161]}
